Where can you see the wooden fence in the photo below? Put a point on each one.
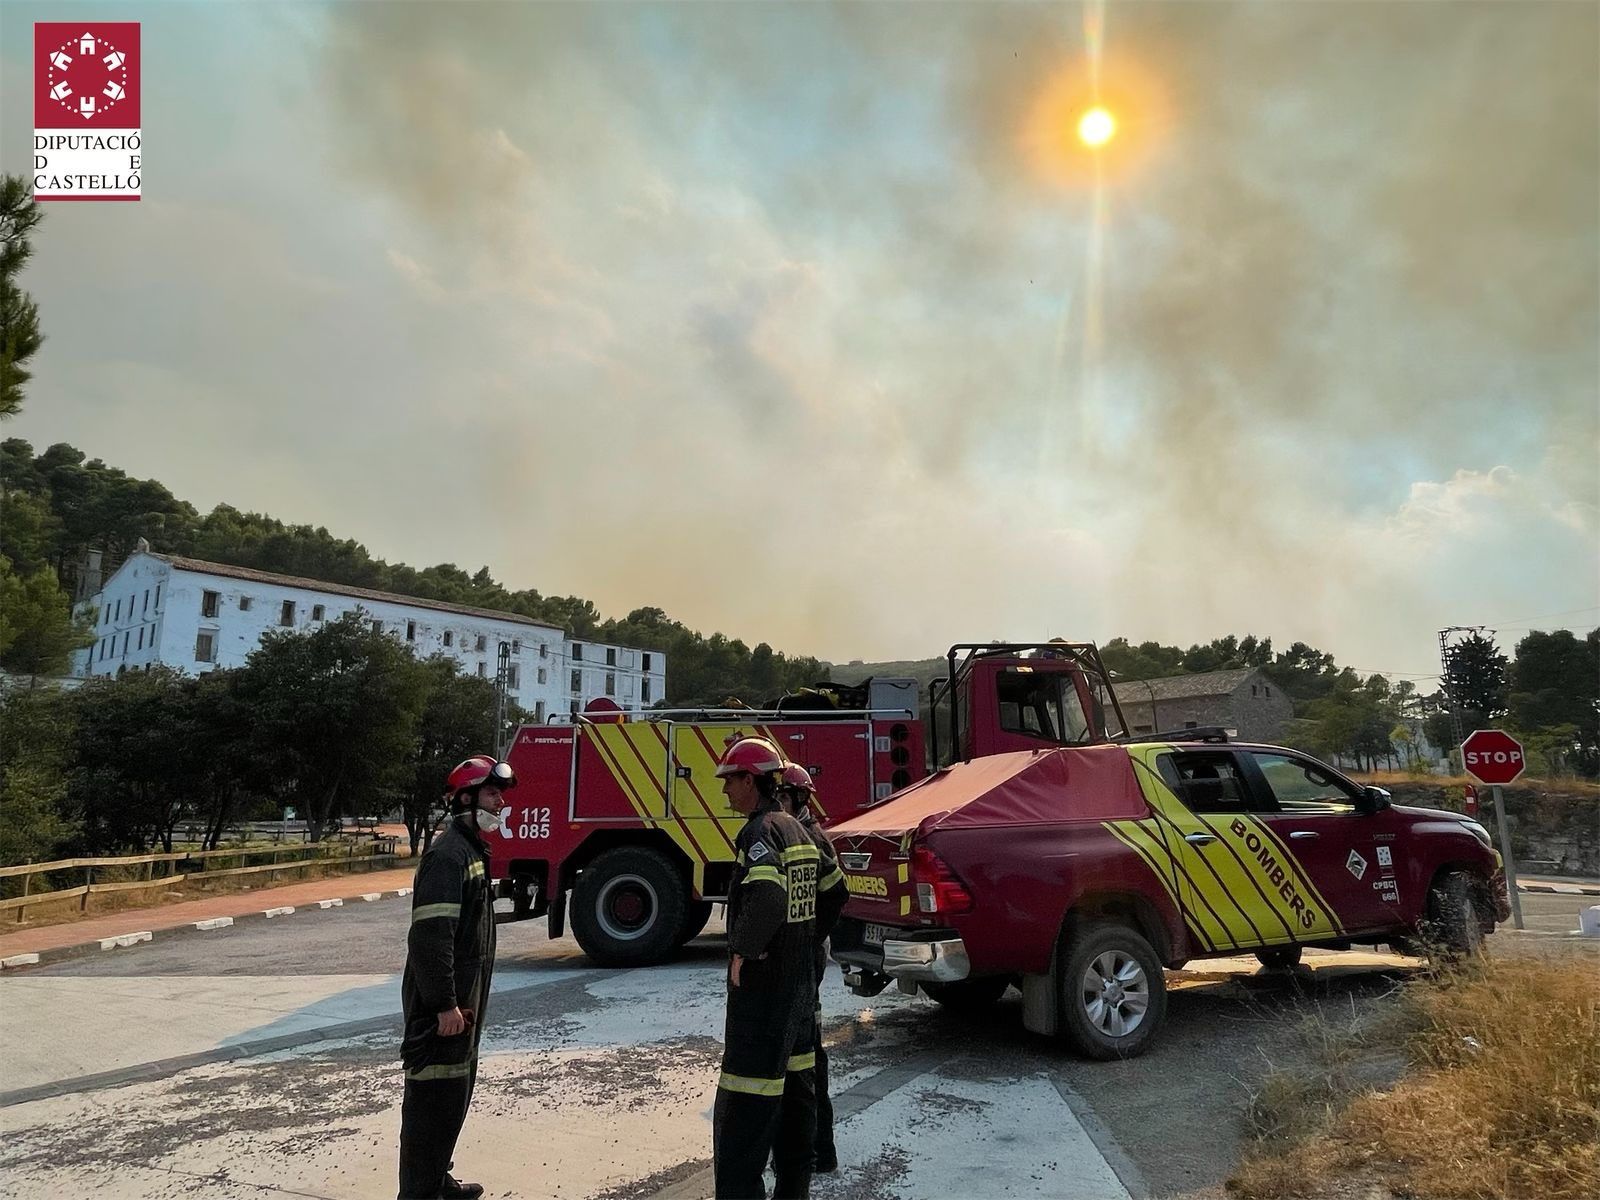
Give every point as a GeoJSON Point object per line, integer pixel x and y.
{"type": "Point", "coordinates": [354, 856]}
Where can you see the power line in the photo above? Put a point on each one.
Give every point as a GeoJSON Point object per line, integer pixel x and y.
{"type": "Point", "coordinates": [1498, 625]}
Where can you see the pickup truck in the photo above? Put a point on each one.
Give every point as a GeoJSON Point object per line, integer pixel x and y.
{"type": "Point", "coordinates": [1080, 873]}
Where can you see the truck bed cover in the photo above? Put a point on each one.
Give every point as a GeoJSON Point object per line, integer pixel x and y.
{"type": "Point", "coordinates": [1092, 783]}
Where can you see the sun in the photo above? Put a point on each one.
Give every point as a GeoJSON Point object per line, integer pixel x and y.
{"type": "Point", "coordinates": [1096, 127]}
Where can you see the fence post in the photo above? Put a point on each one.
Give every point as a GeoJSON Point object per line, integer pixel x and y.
{"type": "Point", "coordinates": [27, 880]}
{"type": "Point", "coordinates": [88, 881]}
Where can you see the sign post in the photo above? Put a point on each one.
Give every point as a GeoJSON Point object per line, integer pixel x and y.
{"type": "Point", "coordinates": [1493, 757]}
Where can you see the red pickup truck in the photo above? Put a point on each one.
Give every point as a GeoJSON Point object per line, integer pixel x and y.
{"type": "Point", "coordinates": [1079, 872]}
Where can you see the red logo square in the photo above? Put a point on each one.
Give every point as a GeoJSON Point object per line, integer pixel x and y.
{"type": "Point", "coordinates": [86, 75]}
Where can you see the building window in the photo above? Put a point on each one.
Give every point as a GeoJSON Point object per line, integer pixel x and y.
{"type": "Point", "coordinates": [118, 615]}
{"type": "Point", "coordinates": [140, 646]}
{"type": "Point", "coordinates": [1252, 689]}
{"type": "Point", "coordinates": [542, 675]}
{"type": "Point", "coordinates": [544, 650]}
{"type": "Point", "coordinates": [538, 713]}
{"type": "Point", "coordinates": [644, 690]}
{"type": "Point", "coordinates": [377, 627]}
{"type": "Point", "coordinates": [316, 612]}
{"type": "Point", "coordinates": [611, 656]}
{"type": "Point", "coordinates": [208, 605]}
{"type": "Point", "coordinates": [286, 613]}
{"type": "Point", "coordinates": [611, 684]}
{"type": "Point", "coordinates": [244, 603]}
{"type": "Point", "coordinates": [411, 631]}
{"type": "Point", "coordinates": [1267, 690]}
{"type": "Point", "coordinates": [646, 662]}
{"type": "Point", "coordinates": [513, 677]}
{"type": "Point", "coordinates": [516, 645]}
{"type": "Point", "coordinates": [125, 638]}
{"type": "Point", "coordinates": [146, 607]}
{"type": "Point", "coordinates": [483, 643]}
{"type": "Point", "coordinates": [105, 617]}
{"type": "Point", "coordinates": [205, 648]}
{"type": "Point", "coordinates": [483, 670]}
{"type": "Point", "coordinates": [158, 597]}
{"type": "Point", "coordinates": [449, 637]}
{"type": "Point", "coordinates": [577, 681]}
{"type": "Point", "coordinates": [577, 651]}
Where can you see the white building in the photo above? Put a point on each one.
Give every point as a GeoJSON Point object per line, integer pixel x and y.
{"type": "Point", "coordinates": [196, 616]}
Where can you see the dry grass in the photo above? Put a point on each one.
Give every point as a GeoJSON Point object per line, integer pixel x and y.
{"type": "Point", "coordinates": [1502, 1098]}
{"type": "Point", "coordinates": [1566, 785]}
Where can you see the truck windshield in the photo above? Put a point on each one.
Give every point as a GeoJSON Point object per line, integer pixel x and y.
{"type": "Point", "coordinates": [1041, 704]}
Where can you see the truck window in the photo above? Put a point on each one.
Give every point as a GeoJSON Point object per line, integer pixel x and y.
{"type": "Point", "coordinates": [1302, 786]}
{"type": "Point", "coordinates": [1041, 704]}
{"type": "Point", "coordinates": [1210, 781]}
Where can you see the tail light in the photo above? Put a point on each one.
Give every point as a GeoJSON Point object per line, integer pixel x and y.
{"type": "Point", "coordinates": [939, 889]}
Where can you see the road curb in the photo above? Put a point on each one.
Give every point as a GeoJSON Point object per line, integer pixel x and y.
{"type": "Point", "coordinates": [1554, 889]}
{"type": "Point", "coordinates": [54, 954]}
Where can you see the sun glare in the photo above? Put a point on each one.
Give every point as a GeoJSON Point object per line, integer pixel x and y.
{"type": "Point", "coordinates": [1096, 127]}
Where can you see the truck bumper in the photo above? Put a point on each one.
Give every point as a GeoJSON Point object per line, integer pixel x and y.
{"type": "Point", "coordinates": [944, 961]}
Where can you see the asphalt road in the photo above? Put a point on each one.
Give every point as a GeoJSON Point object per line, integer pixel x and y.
{"type": "Point", "coordinates": [261, 1061]}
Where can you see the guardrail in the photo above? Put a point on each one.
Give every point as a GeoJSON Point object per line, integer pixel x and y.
{"type": "Point", "coordinates": [380, 850]}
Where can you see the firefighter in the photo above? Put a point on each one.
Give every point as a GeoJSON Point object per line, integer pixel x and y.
{"type": "Point", "coordinates": [445, 990]}
{"type": "Point", "coordinates": [796, 789]}
{"type": "Point", "coordinates": [766, 1097]}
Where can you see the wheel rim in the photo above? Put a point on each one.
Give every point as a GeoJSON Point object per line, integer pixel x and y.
{"type": "Point", "coordinates": [626, 907]}
{"type": "Point", "coordinates": [1115, 993]}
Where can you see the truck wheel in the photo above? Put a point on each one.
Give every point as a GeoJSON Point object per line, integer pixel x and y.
{"type": "Point", "coordinates": [1113, 992]}
{"type": "Point", "coordinates": [1452, 925]}
{"type": "Point", "coordinates": [699, 913]}
{"type": "Point", "coordinates": [629, 907]}
{"type": "Point", "coordinates": [968, 996]}
{"type": "Point", "coordinates": [1279, 958]}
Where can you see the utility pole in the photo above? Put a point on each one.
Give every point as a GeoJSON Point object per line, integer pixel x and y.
{"type": "Point", "coordinates": [502, 680]}
{"type": "Point", "coordinates": [1446, 653]}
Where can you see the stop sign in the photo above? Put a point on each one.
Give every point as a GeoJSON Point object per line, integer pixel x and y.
{"type": "Point", "coordinates": [1491, 756]}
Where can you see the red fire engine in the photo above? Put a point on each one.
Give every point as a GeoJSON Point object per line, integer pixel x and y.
{"type": "Point", "coordinates": [619, 821]}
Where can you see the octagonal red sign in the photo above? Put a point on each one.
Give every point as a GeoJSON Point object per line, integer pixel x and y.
{"type": "Point", "coordinates": [1491, 756]}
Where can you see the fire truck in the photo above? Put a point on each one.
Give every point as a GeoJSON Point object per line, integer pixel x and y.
{"type": "Point", "coordinates": [619, 824]}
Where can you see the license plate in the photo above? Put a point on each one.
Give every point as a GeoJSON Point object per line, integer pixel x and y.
{"type": "Point", "coordinates": [874, 935]}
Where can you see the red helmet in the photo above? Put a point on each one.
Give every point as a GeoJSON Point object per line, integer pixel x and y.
{"type": "Point", "coordinates": [753, 755]}
{"type": "Point", "coordinates": [797, 778]}
{"type": "Point", "coordinates": [477, 771]}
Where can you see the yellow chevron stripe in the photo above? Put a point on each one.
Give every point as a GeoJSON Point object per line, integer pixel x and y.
{"type": "Point", "coordinates": [1143, 838]}
{"type": "Point", "coordinates": [629, 782]}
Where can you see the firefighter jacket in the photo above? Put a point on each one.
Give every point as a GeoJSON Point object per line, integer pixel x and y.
{"type": "Point", "coordinates": [772, 925]}
{"type": "Point", "coordinates": [831, 892]}
{"type": "Point", "coordinates": [451, 948]}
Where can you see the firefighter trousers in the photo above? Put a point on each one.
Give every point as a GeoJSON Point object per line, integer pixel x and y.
{"type": "Point", "coordinates": [747, 1129]}
{"type": "Point", "coordinates": [826, 1152]}
{"type": "Point", "coordinates": [431, 1115]}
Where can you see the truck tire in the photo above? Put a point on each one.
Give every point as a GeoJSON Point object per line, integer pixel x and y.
{"type": "Point", "coordinates": [1452, 927]}
{"type": "Point", "coordinates": [968, 997]}
{"type": "Point", "coordinates": [699, 913]}
{"type": "Point", "coordinates": [629, 908]}
{"type": "Point", "coordinates": [1113, 991]}
{"type": "Point", "coordinates": [1279, 958]}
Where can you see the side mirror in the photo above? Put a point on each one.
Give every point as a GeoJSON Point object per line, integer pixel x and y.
{"type": "Point", "coordinates": [1373, 800]}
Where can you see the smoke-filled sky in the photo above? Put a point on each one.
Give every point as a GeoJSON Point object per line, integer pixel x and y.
{"type": "Point", "coordinates": [816, 325]}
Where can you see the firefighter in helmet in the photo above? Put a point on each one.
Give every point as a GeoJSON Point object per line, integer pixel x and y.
{"type": "Point", "coordinates": [766, 1097]}
{"type": "Point", "coordinates": [445, 990]}
{"type": "Point", "coordinates": [796, 790]}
